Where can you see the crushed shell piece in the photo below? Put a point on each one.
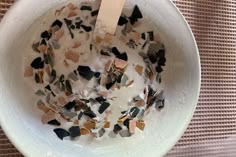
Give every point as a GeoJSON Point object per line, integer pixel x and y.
{"type": "Point", "coordinates": [108, 38]}
{"type": "Point", "coordinates": [71, 6]}
{"type": "Point", "coordinates": [98, 39]}
{"type": "Point", "coordinates": [70, 55]}
{"type": "Point", "coordinates": [120, 64]}
{"type": "Point", "coordinates": [122, 119]}
{"type": "Point", "coordinates": [76, 44]}
{"type": "Point", "coordinates": [42, 48]}
{"type": "Point", "coordinates": [132, 126]}
{"type": "Point", "coordinates": [72, 14]}
{"type": "Point", "coordinates": [84, 131]}
{"type": "Point", "coordinates": [59, 34]}
{"type": "Point", "coordinates": [129, 83]}
{"type": "Point", "coordinates": [106, 125]}
{"type": "Point", "coordinates": [135, 36]}
{"type": "Point", "coordinates": [28, 72]}
{"type": "Point", "coordinates": [76, 122]}
{"type": "Point", "coordinates": [89, 125]}
{"type": "Point", "coordinates": [103, 93]}
{"type": "Point", "coordinates": [108, 65]}
{"type": "Point", "coordinates": [140, 124]}
{"type": "Point", "coordinates": [139, 69]}
{"type": "Point", "coordinates": [48, 117]}
{"type": "Point", "coordinates": [43, 108]}
{"type": "Point", "coordinates": [140, 103]}
{"type": "Point", "coordinates": [62, 101]}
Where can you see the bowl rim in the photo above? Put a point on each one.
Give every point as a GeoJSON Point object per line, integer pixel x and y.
{"type": "Point", "coordinates": [25, 152]}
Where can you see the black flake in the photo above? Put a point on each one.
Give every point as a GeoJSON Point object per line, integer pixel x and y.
{"type": "Point", "coordinates": [122, 21]}
{"type": "Point", "coordinates": [94, 13]}
{"type": "Point", "coordinates": [57, 23]}
{"type": "Point", "coordinates": [74, 131]}
{"type": "Point", "coordinates": [36, 63]}
{"type": "Point", "coordinates": [134, 112]}
{"type": "Point", "coordinates": [61, 133]}
{"type": "Point", "coordinates": [43, 42]}
{"type": "Point", "coordinates": [70, 105]}
{"type": "Point", "coordinates": [159, 69]}
{"type": "Point", "coordinates": [87, 28]}
{"type": "Point", "coordinates": [84, 7]}
{"type": "Point", "coordinates": [85, 72]}
{"type": "Point", "coordinates": [151, 36]}
{"type": "Point", "coordinates": [54, 122]}
{"type": "Point", "coordinates": [90, 114]}
{"type": "Point", "coordinates": [135, 15]}
{"type": "Point", "coordinates": [117, 128]}
{"type": "Point", "coordinates": [123, 56]}
{"type": "Point", "coordinates": [46, 35]}
{"type": "Point", "coordinates": [126, 123]}
{"type": "Point", "coordinates": [68, 87]}
{"type": "Point", "coordinates": [68, 24]}
{"type": "Point", "coordinates": [103, 107]}
{"type": "Point", "coordinates": [80, 115]}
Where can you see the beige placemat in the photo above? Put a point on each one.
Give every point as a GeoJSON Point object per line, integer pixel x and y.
{"type": "Point", "coordinates": [213, 127]}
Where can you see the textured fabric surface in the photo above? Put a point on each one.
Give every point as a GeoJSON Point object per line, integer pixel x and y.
{"type": "Point", "coordinates": [213, 127]}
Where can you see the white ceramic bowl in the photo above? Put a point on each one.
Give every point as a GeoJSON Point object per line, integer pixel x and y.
{"type": "Point", "coordinates": [21, 120]}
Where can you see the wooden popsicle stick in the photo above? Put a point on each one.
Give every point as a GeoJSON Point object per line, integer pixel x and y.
{"type": "Point", "coordinates": [108, 17]}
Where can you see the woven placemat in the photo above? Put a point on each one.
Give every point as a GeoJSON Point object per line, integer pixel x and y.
{"type": "Point", "coordinates": [213, 127]}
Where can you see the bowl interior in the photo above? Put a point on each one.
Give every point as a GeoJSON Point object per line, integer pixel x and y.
{"type": "Point", "coordinates": [20, 118]}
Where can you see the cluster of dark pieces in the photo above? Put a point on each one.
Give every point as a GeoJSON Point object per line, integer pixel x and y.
{"type": "Point", "coordinates": [113, 76]}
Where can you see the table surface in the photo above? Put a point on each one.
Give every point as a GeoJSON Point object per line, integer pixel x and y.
{"type": "Point", "coordinates": [213, 127]}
